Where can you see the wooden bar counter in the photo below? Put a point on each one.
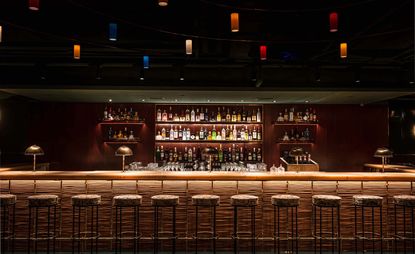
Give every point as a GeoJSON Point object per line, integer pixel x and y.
{"type": "Point", "coordinates": [224, 184]}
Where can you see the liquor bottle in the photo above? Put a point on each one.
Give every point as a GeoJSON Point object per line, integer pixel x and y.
{"type": "Point", "coordinates": [243, 119]}
{"type": "Point", "coordinates": [195, 157]}
{"type": "Point", "coordinates": [186, 154]}
{"type": "Point", "coordinates": [248, 117]}
{"type": "Point", "coordinates": [170, 155]}
{"type": "Point", "coordinates": [202, 134]}
{"type": "Point", "coordinates": [241, 154]}
{"type": "Point", "coordinates": [249, 155]}
{"type": "Point", "coordinates": [228, 116]}
{"type": "Point", "coordinates": [180, 133]}
{"type": "Point", "coordinates": [171, 132]}
{"type": "Point", "coordinates": [182, 117]}
{"type": "Point", "coordinates": [254, 134]}
{"type": "Point", "coordinates": [190, 155]}
{"type": "Point", "coordinates": [197, 117]}
{"type": "Point", "coordinates": [125, 133]}
{"type": "Point", "coordinates": [239, 116]}
{"type": "Point", "coordinates": [280, 118]}
{"type": "Point", "coordinates": [306, 116]}
{"type": "Point", "coordinates": [233, 154]}
{"type": "Point", "coordinates": [188, 134]}
{"type": "Point", "coordinates": [214, 133]}
{"type": "Point", "coordinates": [254, 155]}
{"type": "Point", "coordinates": [163, 133]}
{"type": "Point", "coordinates": [131, 114]}
{"type": "Point", "coordinates": [206, 115]}
{"type": "Point", "coordinates": [291, 115]}
{"type": "Point", "coordinates": [246, 137]}
{"type": "Point", "coordinates": [258, 115]}
{"type": "Point", "coordinates": [237, 154]}
{"type": "Point", "coordinates": [110, 133]}
{"type": "Point", "coordinates": [259, 134]}
{"type": "Point", "coordinates": [218, 116]}
{"type": "Point", "coordinates": [233, 117]}
{"type": "Point", "coordinates": [238, 134]}
{"type": "Point", "coordinates": [158, 158]}
{"type": "Point", "coordinates": [192, 115]}
{"type": "Point", "coordinates": [253, 117]}
{"type": "Point", "coordinates": [286, 115]}
{"type": "Point", "coordinates": [220, 153]}
{"type": "Point", "coordinates": [202, 115]}
{"type": "Point", "coordinates": [158, 115]}
{"type": "Point", "coordinates": [259, 155]}
{"type": "Point", "coordinates": [105, 113]}
{"type": "Point", "coordinates": [250, 135]}
{"type": "Point", "coordinates": [209, 136]}
{"type": "Point", "coordinates": [131, 136]}
{"type": "Point", "coordinates": [314, 116]}
{"type": "Point", "coordinates": [175, 133]}
{"type": "Point", "coordinates": [175, 155]}
{"type": "Point", "coordinates": [164, 116]}
{"type": "Point", "coordinates": [235, 133]}
{"type": "Point", "coordinates": [243, 133]}
{"type": "Point", "coordinates": [307, 134]}
{"type": "Point", "coordinates": [187, 115]}
{"type": "Point", "coordinates": [180, 157]}
{"type": "Point", "coordinates": [135, 118]}
{"type": "Point", "coordinates": [170, 115]}
{"type": "Point", "coordinates": [161, 153]}
{"type": "Point", "coordinates": [223, 133]}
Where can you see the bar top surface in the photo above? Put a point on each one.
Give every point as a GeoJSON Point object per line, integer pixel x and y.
{"type": "Point", "coordinates": [209, 176]}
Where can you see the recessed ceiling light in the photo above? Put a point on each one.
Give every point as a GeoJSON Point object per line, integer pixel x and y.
{"type": "Point", "coordinates": [306, 101]}
{"type": "Point", "coordinates": [242, 100]}
{"type": "Point", "coordinates": [274, 101]}
{"type": "Point", "coordinates": [143, 100]}
{"type": "Point", "coordinates": [181, 78]}
{"type": "Point", "coordinates": [357, 81]}
{"type": "Point", "coordinates": [110, 100]}
{"type": "Point", "coordinates": [411, 82]}
{"type": "Point", "coordinates": [141, 78]}
{"type": "Point", "coordinates": [208, 100]}
{"type": "Point", "coordinates": [176, 100]}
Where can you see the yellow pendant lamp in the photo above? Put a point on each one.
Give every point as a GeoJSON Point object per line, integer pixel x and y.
{"type": "Point", "coordinates": [343, 50]}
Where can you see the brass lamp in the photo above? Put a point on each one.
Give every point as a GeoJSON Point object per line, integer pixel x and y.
{"type": "Point", "coordinates": [123, 151]}
{"type": "Point", "coordinates": [33, 151]}
{"type": "Point", "coordinates": [383, 153]}
{"type": "Point", "coordinates": [296, 152]}
{"type": "Point", "coordinates": [209, 152]}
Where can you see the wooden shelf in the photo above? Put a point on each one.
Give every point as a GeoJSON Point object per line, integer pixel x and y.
{"type": "Point", "coordinates": [209, 141]}
{"type": "Point", "coordinates": [308, 142]}
{"type": "Point", "coordinates": [294, 123]}
{"type": "Point", "coordinates": [207, 123]}
{"type": "Point", "coordinates": [135, 141]}
{"type": "Point", "coordinates": [122, 122]}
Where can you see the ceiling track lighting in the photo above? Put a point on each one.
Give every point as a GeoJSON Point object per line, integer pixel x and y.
{"type": "Point", "coordinates": [163, 3]}
{"type": "Point", "coordinates": [235, 22]}
{"type": "Point", "coordinates": [34, 5]}
{"type": "Point", "coordinates": [77, 51]}
{"type": "Point", "coordinates": [343, 50]}
{"type": "Point", "coordinates": [334, 22]}
{"type": "Point", "coordinates": [189, 47]}
{"type": "Point", "coordinates": [112, 32]}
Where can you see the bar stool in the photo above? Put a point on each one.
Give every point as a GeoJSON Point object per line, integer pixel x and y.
{"type": "Point", "coordinates": [8, 220]}
{"type": "Point", "coordinates": [79, 203]}
{"type": "Point", "coordinates": [42, 202]}
{"type": "Point", "coordinates": [290, 202]}
{"type": "Point", "coordinates": [331, 203]}
{"type": "Point", "coordinates": [372, 202]}
{"type": "Point", "coordinates": [126, 201]}
{"type": "Point", "coordinates": [160, 201]}
{"type": "Point", "coordinates": [206, 201]}
{"type": "Point", "coordinates": [404, 202]}
{"type": "Point", "coordinates": [238, 201]}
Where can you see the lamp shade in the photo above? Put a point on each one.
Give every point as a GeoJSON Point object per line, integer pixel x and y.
{"type": "Point", "coordinates": [333, 18]}
{"type": "Point", "coordinates": [163, 2]}
{"type": "Point", "coordinates": [343, 50]}
{"type": "Point", "coordinates": [383, 152]}
{"type": "Point", "coordinates": [1, 33]}
{"type": "Point", "coordinates": [263, 52]}
{"type": "Point", "coordinates": [77, 51]}
{"type": "Point", "coordinates": [34, 5]}
{"type": "Point", "coordinates": [123, 151]}
{"type": "Point", "coordinates": [189, 47]}
{"type": "Point", "coordinates": [209, 151]}
{"type": "Point", "coordinates": [34, 150]}
{"type": "Point", "coordinates": [235, 22]}
{"type": "Point", "coordinates": [296, 151]}
{"type": "Point", "coordinates": [112, 31]}
{"type": "Point", "coordinates": [146, 62]}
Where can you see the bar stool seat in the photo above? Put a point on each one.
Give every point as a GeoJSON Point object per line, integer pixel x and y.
{"type": "Point", "coordinates": [244, 200]}
{"type": "Point", "coordinates": [7, 199]}
{"type": "Point", "coordinates": [164, 200]}
{"type": "Point", "coordinates": [205, 200]}
{"type": "Point", "coordinates": [43, 200]}
{"type": "Point", "coordinates": [326, 200]}
{"type": "Point", "coordinates": [367, 200]}
{"type": "Point", "coordinates": [86, 200]}
{"type": "Point", "coordinates": [404, 200]}
{"type": "Point", "coordinates": [127, 200]}
{"type": "Point", "coordinates": [285, 200]}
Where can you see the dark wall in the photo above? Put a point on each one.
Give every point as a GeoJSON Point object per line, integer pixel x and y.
{"type": "Point", "coordinates": [346, 137]}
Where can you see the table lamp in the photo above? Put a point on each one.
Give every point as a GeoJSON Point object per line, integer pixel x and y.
{"type": "Point", "coordinates": [296, 152]}
{"type": "Point", "coordinates": [383, 153]}
{"type": "Point", "coordinates": [209, 151]}
{"type": "Point", "coordinates": [33, 151]}
{"type": "Point", "coordinates": [123, 151]}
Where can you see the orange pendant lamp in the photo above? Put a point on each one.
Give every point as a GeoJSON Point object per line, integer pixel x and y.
{"type": "Point", "coordinates": [235, 22]}
{"type": "Point", "coordinates": [1, 34]}
{"type": "Point", "coordinates": [77, 51]}
{"type": "Point", "coordinates": [189, 47]}
{"type": "Point", "coordinates": [343, 50]}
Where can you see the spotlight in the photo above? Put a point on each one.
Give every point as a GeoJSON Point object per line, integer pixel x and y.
{"type": "Point", "coordinates": [110, 100]}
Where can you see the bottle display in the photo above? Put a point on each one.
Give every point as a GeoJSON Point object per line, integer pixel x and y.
{"type": "Point", "coordinates": [308, 115]}
{"type": "Point", "coordinates": [119, 114]}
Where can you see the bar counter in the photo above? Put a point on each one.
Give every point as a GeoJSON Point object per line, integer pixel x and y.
{"type": "Point", "coordinates": [264, 185]}
{"type": "Point", "coordinates": [408, 175]}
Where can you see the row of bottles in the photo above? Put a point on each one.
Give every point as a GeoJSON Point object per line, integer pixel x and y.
{"type": "Point", "coordinates": [111, 114]}
{"type": "Point", "coordinates": [121, 134]}
{"type": "Point", "coordinates": [303, 159]}
{"type": "Point", "coordinates": [203, 115]}
{"type": "Point", "coordinates": [309, 116]}
{"type": "Point", "coordinates": [296, 135]}
{"type": "Point", "coordinates": [232, 154]}
{"type": "Point", "coordinates": [235, 133]}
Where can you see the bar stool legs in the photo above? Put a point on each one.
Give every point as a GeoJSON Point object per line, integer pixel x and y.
{"type": "Point", "coordinates": [332, 203]}
{"type": "Point", "coordinates": [39, 203]}
{"type": "Point", "coordinates": [81, 203]}
{"type": "Point", "coordinates": [158, 202]}
{"type": "Point", "coordinates": [406, 203]}
{"type": "Point", "coordinates": [8, 221]}
{"type": "Point", "coordinates": [371, 202]}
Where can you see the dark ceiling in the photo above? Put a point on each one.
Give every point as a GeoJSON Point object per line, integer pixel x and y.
{"type": "Point", "coordinates": [36, 50]}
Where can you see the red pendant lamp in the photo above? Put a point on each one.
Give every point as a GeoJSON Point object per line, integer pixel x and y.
{"type": "Point", "coordinates": [263, 52]}
{"type": "Point", "coordinates": [334, 22]}
{"type": "Point", "coordinates": [34, 5]}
